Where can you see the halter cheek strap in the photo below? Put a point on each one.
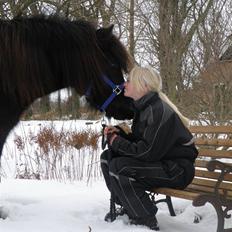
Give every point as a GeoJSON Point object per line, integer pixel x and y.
{"type": "Point", "coordinates": [116, 90]}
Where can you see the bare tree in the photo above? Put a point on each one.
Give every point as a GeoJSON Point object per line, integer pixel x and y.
{"type": "Point", "coordinates": [170, 29]}
{"type": "Point", "coordinates": [179, 38]}
{"type": "Point", "coordinates": [211, 86]}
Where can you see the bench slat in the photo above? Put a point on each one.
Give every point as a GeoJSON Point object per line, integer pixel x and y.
{"type": "Point", "coordinates": [188, 193]}
{"type": "Point", "coordinates": [211, 183]}
{"type": "Point", "coordinates": [215, 153]}
{"type": "Point", "coordinates": [203, 163]}
{"type": "Point", "coordinates": [211, 129]}
{"type": "Point", "coordinates": [176, 193]}
{"type": "Point", "coordinates": [214, 142]}
{"type": "Point", "coordinates": [212, 175]}
{"type": "Point", "coordinates": [205, 189]}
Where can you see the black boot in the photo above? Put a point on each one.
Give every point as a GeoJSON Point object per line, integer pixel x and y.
{"type": "Point", "coordinates": [118, 212]}
{"type": "Point", "coordinates": [150, 222]}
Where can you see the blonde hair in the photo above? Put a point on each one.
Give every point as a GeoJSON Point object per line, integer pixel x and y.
{"type": "Point", "coordinates": [144, 78]}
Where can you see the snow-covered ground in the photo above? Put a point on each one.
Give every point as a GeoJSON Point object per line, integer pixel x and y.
{"type": "Point", "coordinates": [35, 206]}
{"type": "Point", "coordinates": [73, 206]}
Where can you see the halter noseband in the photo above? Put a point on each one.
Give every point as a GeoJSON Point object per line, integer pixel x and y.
{"type": "Point", "coordinates": [116, 90]}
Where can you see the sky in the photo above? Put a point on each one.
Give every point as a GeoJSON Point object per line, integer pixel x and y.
{"type": "Point", "coordinates": [73, 206]}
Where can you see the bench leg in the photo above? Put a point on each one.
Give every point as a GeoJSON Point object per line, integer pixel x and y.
{"type": "Point", "coordinates": [170, 206]}
{"type": "Point", "coordinates": [168, 200]}
{"type": "Point", "coordinates": [218, 206]}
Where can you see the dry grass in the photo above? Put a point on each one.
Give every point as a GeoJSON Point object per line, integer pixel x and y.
{"type": "Point", "coordinates": [60, 155]}
{"type": "Point", "coordinates": [77, 139]}
{"type": "Point", "coordinates": [48, 139]}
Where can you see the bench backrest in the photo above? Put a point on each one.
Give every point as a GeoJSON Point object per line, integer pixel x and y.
{"type": "Point", "coordinates": [213, 143]}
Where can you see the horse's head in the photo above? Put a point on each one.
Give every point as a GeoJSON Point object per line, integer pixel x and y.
{"type": "Point", "coordinates": [107, 92]}
{"type": "Point", "coordinates": [60, 53]}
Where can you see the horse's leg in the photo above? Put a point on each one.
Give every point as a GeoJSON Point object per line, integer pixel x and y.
{"type": "Point", "coordinates": [10, 111]}
{"type": "Point", "coordinates": [3, 135]}
{"type": "Point", "coordinates": [4, 131]}
{"type": "Point", "coordinates": [9, 117]}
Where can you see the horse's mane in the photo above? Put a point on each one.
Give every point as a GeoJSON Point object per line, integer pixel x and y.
{"type": "Point", "coordinates": [112, 44]}
{"type": "Point", "coordinates": [36, 50]}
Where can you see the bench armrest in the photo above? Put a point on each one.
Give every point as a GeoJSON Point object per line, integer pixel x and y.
{"type": "Point", "coordinates": [224, 169]}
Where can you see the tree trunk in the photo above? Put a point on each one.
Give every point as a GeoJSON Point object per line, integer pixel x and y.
{"type": "Point", "coordinates": [131, 29]}
{"type": "Point", "coordinates": [173, 40]}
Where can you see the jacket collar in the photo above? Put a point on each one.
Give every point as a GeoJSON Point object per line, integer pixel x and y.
{"type": "Point", "coordinates": [145, 100]}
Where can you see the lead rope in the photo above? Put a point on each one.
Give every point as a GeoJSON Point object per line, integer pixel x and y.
{"type": "Point", "coordinates": [112, 200]}
{"type": "Point", "coordinates": [104, 139]}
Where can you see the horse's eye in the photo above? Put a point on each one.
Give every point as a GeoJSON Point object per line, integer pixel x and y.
{"type": "Point", "coordinates": [114, 65]}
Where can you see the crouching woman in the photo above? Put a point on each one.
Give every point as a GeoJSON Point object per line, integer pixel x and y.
{"type": "Point", "coordinates": [159, 151]}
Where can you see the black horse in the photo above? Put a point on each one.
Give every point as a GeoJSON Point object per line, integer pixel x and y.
{"type": "Point", "coordinates": [39, 55]}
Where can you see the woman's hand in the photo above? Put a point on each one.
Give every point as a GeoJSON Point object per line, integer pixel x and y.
{"type": "Point", "coordinates": [110, 130]}
{"type": "Point", "coordinates": [111, 133]}
{"type": "Point", "coordinates": [112, 138]}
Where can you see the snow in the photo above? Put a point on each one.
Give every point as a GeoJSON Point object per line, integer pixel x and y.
{"type": "Point", "coordinates": [47, 206]}
{"type": "Point", "coordinates": [73, 206]}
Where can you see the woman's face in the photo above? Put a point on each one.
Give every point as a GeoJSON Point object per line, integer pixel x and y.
{"type": "Point", "coordinates": [132, 92]}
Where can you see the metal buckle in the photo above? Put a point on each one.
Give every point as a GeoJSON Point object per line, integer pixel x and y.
{"type": "Point", "coordinates": [103, 120]}
{"type": "Point", "coordinates": [117, 90]}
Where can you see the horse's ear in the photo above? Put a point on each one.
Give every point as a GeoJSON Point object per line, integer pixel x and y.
{"type": "Point", "coordinates": [105, 33]}
{"type": "Point", "coordinates": [110, 29]}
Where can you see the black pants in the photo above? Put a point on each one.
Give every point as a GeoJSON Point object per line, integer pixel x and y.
{"type": "Point", "coordinates": [129, 179]}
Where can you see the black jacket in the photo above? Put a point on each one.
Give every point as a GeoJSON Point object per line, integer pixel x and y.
{"type": "Point", "coordinates": [157, 133]}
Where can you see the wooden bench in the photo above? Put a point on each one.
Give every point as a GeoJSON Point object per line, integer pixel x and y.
{"type": "Point", "coordinates": [213, 177]}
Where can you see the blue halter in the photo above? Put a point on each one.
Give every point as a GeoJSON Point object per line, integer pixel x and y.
{"type": "Point", "coordinates": [116, 90]}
